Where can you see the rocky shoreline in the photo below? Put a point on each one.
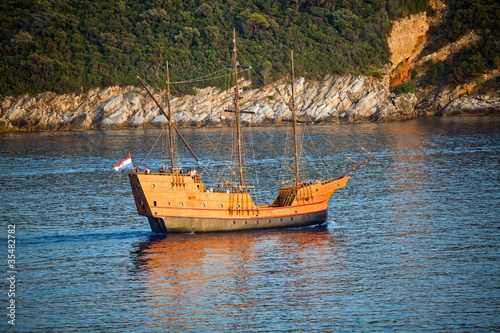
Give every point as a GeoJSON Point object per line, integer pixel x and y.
{"type": "Point", "coordinates": [331, 100]}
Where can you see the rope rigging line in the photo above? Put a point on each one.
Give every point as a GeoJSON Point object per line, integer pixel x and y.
{"type": "Point", "coordinates": [277, 154]}
{"type": "Point", "coordinates": [355, 143]}
{"type": "Point", "coordinates": [287, 140]}
{"type": "Point", "coordinates": [201, 77]}
{"type": "Point", "coordinates": [338, 149]}
{"type": "Point", "coordinates": [149, 153]}
{"type": "Point", "coordinates": [317, 153]}
{"type": "Point", "coordinates": [256, 177]}
{"type": "Point", "coordinates": [207, 79]}
{"type": "Point", "coordinates": [215, 150]}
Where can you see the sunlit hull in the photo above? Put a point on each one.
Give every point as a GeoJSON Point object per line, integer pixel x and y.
{"type": "Point", "coordinates": [179, 203]}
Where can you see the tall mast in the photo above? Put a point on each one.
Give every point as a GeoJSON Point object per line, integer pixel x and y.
{"type": "Point", "coordinates": [166, 116]}
{"type": "Point", "coordinates": [295, 131]}
{"type": "Point", "coordinates": [237, 107]}
{"type": "Point", "coordinates": [170, 124]}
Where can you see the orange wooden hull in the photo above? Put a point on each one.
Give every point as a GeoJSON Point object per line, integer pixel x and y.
{"type": "Point", "coordinates": [180, 203]}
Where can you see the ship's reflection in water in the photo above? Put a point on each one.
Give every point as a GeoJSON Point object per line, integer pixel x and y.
{"type": "Point", "coordinates": [195, 280]}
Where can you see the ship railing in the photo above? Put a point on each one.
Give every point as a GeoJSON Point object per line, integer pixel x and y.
{"type": "Point", "coordinates": [230, 188]}
{"type": "Point", "coordinates": [284, 185]}
{"type": "Point", "coordinates": [196, 178]}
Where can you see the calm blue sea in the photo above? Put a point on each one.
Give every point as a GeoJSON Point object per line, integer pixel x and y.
{"type": "Point", "coordinates": [412, 242]}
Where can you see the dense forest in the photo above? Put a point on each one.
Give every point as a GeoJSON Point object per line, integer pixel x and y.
{"type": "Point", "coordinates": [65, 46]}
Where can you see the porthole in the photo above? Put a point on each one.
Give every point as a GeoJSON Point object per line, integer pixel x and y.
{"type": "Point", "coordinates": [154, 203]}
{"type": "Point", "coordinates": [257, 222]}
{"type": "Point", "coordinates": [291, 218]}
{"type": "Point", "coordinates": [295, 212]}
{"type": "Point", "coordinates": [181, 204]}
{"type": "Point", "coordinates": [202, 205]}
{"type": "Point", "coordinates": [220, 205]}
{"type": "Point", "coordinates": [237, 206]}
{"type": "Point", "coordinates": [246, 222]}
{"type": "Point", "coordinates": [269, 221]}
{"type": "Point", "coordinates": [234, 222]}
{"type": "Point", "coordinates": [316, 190]}
{"type": "Point", "coordinates": [172, 186]}
{"type": "Point", "coordinates": [281, 219]}
{"type": "Point", "coordinates": [153, 185]}
{"type": "Point", "coordinates": [168, 203]}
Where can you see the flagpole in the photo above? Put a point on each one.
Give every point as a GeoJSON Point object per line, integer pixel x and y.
{"type": "Point", "coordinates": [131, 162]}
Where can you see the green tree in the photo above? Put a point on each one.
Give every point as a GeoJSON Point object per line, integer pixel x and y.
{"type": "Point", "coordinates": [257, 22]}
{"type": "Point", "coordinates": [404, 88]}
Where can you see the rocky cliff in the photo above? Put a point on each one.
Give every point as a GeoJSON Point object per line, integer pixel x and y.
{"type": "Point", "coordinates": [408, 38]}
{"type": "Point", "coordinates": [334, 99]}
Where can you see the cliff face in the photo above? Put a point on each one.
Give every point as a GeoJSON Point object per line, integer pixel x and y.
{"type": "Point", "coordinates": [341, 98]}
{"type": "Point", "coordinates": [407, 40]}
{"type": "Point", "coordinates": [333, 99]}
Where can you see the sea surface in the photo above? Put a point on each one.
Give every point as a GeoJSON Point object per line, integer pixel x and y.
{"type": "Point", "coordinates": [412, 242]}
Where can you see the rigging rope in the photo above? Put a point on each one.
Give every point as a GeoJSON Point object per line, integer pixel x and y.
{"type": "Point", "coordinates": [316, 151]}
{"type": "Point", "coordinates": [149, 153]}
{"type": "Point", "coordinates": [203, 79]}
{"type": "Point", "coordinates": [282, 160]}
{"type": "Point", "coordinates": [256, 177]}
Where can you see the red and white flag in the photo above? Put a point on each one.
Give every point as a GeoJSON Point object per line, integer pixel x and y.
{"type": "Point", "coordinates": [124, 164]}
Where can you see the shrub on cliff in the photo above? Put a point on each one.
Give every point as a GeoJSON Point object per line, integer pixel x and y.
{"type": "Point", "coordinates": [404, 88]}
{"type": "Point", "coordinates": [375, 73]}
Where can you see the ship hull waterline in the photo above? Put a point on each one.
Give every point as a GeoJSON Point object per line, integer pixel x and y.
{"type": "Point", "coordinates": [189, 224]}
{"type": "Point", "coordinates": [176, 203]}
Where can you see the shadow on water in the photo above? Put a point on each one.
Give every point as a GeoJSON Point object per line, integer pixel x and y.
{"type": "Point", "coordinates": [78, 238]}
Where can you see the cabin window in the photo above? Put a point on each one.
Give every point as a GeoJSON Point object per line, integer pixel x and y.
{"type": "Point", "coordinates": [154, 203]}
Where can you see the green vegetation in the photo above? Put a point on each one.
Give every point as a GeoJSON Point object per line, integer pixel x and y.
{"type": "Point", "coordinates": [480, 16]}
{"type": "Point", "coordinates": [71, 46]}
{"type": "Point", "coordinates": [67, 46]}
{"type": "Point", "coordinates": [375, 73]}
{"type": "Point", "coordinates": [404, 88]}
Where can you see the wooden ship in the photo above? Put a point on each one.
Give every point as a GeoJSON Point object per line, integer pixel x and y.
{"type": "Point", "coordinates": [177, 202]}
